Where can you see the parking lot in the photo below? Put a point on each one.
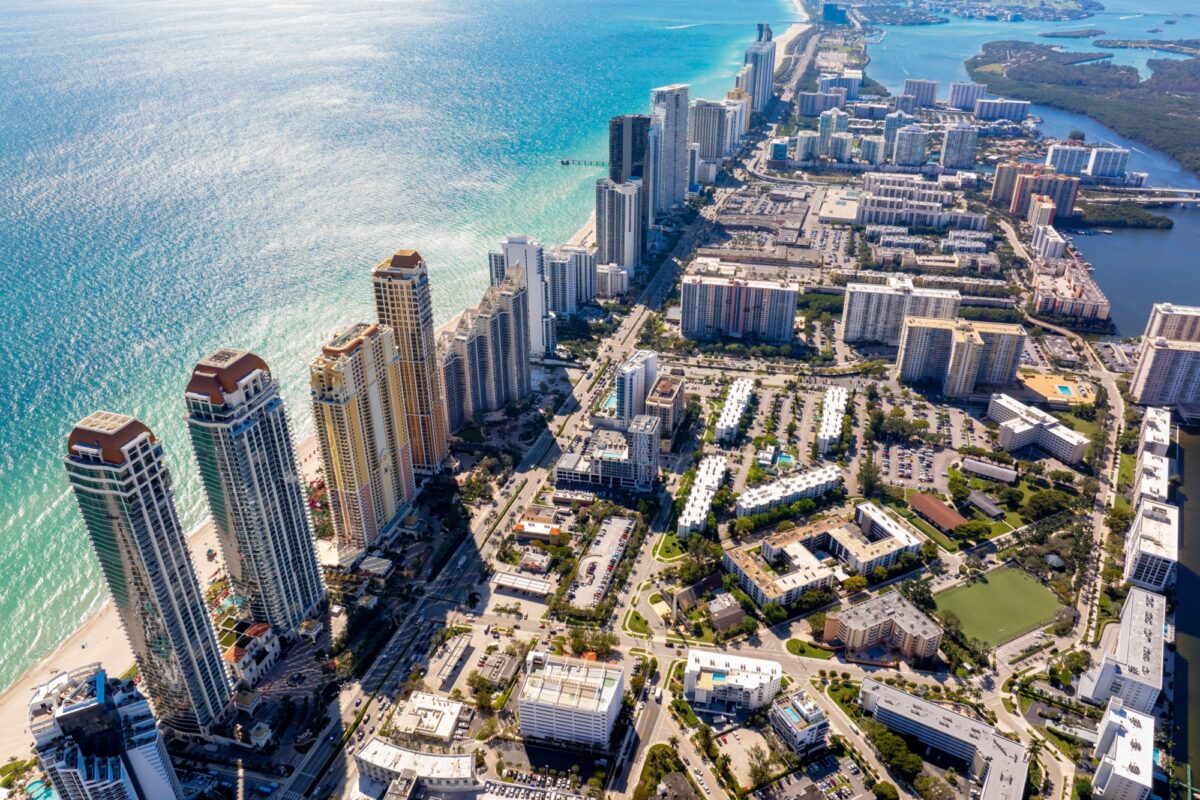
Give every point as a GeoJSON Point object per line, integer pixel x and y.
{"type": "Point", "coordinates": [828, 778]}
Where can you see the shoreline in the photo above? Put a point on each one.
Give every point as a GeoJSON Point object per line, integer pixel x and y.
{"type": "Point", "coordinates": [100, 638]}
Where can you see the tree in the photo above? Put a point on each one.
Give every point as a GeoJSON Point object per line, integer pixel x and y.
{"type": "Point", "coordinates": [951, 622]}
{"type": "Point", "coordinates": [760, 765]}
{"type": "Point", "coordinates": [885, 791]}
{"type": "Point", "coordinates": [1076, 135]}
{"type": "Point", "coordinates": [774, 612]}
{"type": "Point", "coordinates": [879, 574]}
{"type": "Point", "coordinates": [959, 488]}
{"type": "Point", "coordinates": [975, 530]}
{"type": "Point", "coordinates": [1046, 503]}
{"type": "Point", "coordinates": [868, 477]}
{"type": "Point", "coordinates": [918, 593]}
{"type": "Point", "coordinates": [1012, 498]}
{"type": "Point", "coordinates": [929, 551]}
{"type": "Point", "coordinates": [816, 624]}
{"type": "Point", "coordinates": [854, 584]}
{"type": "Point", "coordinates": [749, 625]}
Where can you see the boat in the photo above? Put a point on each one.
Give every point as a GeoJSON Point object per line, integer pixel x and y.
{"type": "Point", "coordinates": [1106, 231]}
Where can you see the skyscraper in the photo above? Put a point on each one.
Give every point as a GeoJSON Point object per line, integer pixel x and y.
{"type": "Point", "coordinates": [627, 146]}
{"type": "Point", "coordinates": [669, 110]}
{"type": "Point", "coordinates": [830, 122]}
{"type": "Point", "coordinates": [924, 91]}
{"type": "Point", "coordinates": [911, 143]}
{"type": "Point", "coordinates": [243, 446]}
{"type": "Point", "coordinates": [892, 124]}
{"type": "Point", "coordinates": [958, 149]}
{"type": "Point", "coordinates": [1068, 159]}
{"type": "Point", "coordinates": [403, 303]}
{"type": "Point", "coordinates": [123, 487]}
{"type": "Point", "coordinates": [531, 256]}
{"type": "Point", "coordinates": [1168, 366]}
{"type": "Point", "coordinates": [485, 360]}
{"type": "Point", "coordinates": [761, 55]}
{"type": "Point", "coordinates": [571, 275]}
{"type": "Point", "coordinates": [964, 94]}
{"type": "Point", "coordinates": [620, 224]}
{"type": "Point", "coordinates": [97, 739]}
{"type": "Point", "coordinates": [358, 411]}
{"type": "Point", "coordinates": [707, 127]}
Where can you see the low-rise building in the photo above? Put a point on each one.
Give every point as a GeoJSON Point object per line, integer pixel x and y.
{"type": "Point", "coordinates": [998, 763]}
{"type": "Point", "coordinates": [1131, 669]}
{"type": "Point", "coordinates": [736, 401]}
{"type": "Point", "coordinates": [833, 409]}
{"type": "Point", "coordinates": [886, 620]}
{"type": "Point", "coordinates": [930, 508]}
{"type": "Point", "coordinates": [1152, 546]}
{"type": "Point", "coordinates": [710, 474]}
{"type": "Point", "coordinates": [876, 538]}
{"type": "Point", "coordinates": [1022, 425]}
{"type": "Point", "coordinates": [800, 723]}
{"type": "Point", "coordinates": [569, 700]}
{"type": "Point", "coordinates": [252, 651]}
{"type": "Point", "coordinates": [428, 716]}
{"type": "Point", "coordinates": [727, 682]}
{"type": "Point", "coordinates": [1125, 750]}
{"type": "Point", "coordinates": [788, 490]}
{"type": "Point", "coordinates": [1072, 293]}
{"type": "Point", "coordinates": [383, 762]}
{"type": "Point", "coordinates": [990, 471]}
{"type": "Point", "coordinates": [726, 612]}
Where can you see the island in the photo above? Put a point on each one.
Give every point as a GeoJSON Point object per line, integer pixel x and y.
{"type": "Point", "coordinates": [1186, 47]}
{"type": "Point", "coordinates": [933, 12]}
{"type": "Point", "coordinates": [1079, 33]}
{"type": "Point", "coordinates": [1163, 110]}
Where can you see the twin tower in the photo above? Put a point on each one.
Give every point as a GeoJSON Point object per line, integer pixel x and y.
{"type": "Point", "coordinates": [380, 420]}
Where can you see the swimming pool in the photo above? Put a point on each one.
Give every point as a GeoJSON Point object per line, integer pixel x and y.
{"type": "Point", "coordinates": [40, 790]}
{"type": "Point", "coordinates": [791, 714]}
{"type": "Point", "coordinates": [786, 461]}
{"type": "Point", "coordinates": [1065, 390]}
{"type": "Point", "coordinates": [610, 402]}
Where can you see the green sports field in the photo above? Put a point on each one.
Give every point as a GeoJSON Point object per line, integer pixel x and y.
{"type": "Point", "coordinates": [1009, 604]}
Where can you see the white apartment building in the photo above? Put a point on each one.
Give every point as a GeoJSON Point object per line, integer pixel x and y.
{"type": "Point", "coordinates": [999, 764]}
{"type": "Point", "coordinates": [569, 700]}
{"type": "Point", "coordinates": [614, 459]}
{"type": "Point", "coordinates": [800, 571]}
{"type": "Point", "coordinates": [383, 762]}
{"type": "Point", "coordinates": [1155, 436]}
{"type": "Point", "coordinates": [1152, 546]}
{"type": "Point", "coordinates": [788, 490]}
{"type": "Point", "coordinates": [958, 148]}
{"type": "Point", "coordinates": [571, 275]}
{"type": "Point", "coordinates": [1041, 211]}
{"type": "Point", "coordinates": [833, 409]}
{"type": "Point", "coordinates": [668, 151]}
{"type": "Point", "coordinates": [1047, 242]}
{"type": "Point", "coordinates": [1131, 669]}
{"type": "Point", "coordinates": [876, 312]}
{"type": "Point", "coordinates": [736, 401]}
{"type": "Point", "coordinates": [964, 94]}
{"type": "Point", "coordinates": [1108, 162]}
{"type": "Point", "coordinates": [876, 538]}
{"type": "Point", "coordinates": [1125, 749]}
{"type": "Point", "coordinates": [728, 682]}
{"type": "Point", "coordinates": [620, 223]}
{"type": "Point", "coordinates": [912, 143]}
{"type": "Point", "coordinates": [1151, 477]}
{"type": "Point", "coordinates": [924, 92]}
{"type": "Point", "coordinates": [635, 377]}
{"type": "Point", "coordinates": [989, 110]}
{"type": "Point", "coordinates": [800, 723]}
{"type": "Point", "coordinates": [1168, 368]}
{"type": "Point", "coordinates": [716, 306]}
{"type": "Point", "coordinates": [1022, 425]}
{"type": "Point", "coordinates": [710, 474]}
{"type": "Point", "coordinates": [612, 280]}
{"type": "Point", "coordinates": [1068, 159]}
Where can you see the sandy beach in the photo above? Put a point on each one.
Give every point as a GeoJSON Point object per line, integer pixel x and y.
{"type": "Point", "coordinates": [794, 30]}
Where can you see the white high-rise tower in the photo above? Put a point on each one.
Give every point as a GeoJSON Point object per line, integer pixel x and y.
{"type": "Point", "coordinates": [669, 110]}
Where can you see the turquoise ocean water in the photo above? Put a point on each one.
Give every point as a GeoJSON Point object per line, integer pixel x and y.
{"type": "Point", "coordinates": [177, 176]}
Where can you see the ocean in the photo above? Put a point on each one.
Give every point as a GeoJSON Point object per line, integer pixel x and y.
{"type": "Point", "coordinates": [178, 176]}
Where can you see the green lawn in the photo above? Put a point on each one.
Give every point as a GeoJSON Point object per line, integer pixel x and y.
{"type": "Point", "coordinates": [1125, 473]}
{"type": "Point", "coordinates": [1087, 427]}
{"type": "Point", "coordinates": [669, 547]}
{"type": "Point", "coordinates": [1009, 604]}
{"type": "Point", "coordinates": [637, 623]}
{"type": "Point", "coordinates": [1000, 527]}
{"type": "Point", "coordinates": [800, 648]}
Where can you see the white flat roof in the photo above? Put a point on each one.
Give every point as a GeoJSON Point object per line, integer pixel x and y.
{"type": "Point", "coordinates": [1140, 643]}
{"type": "Point", "coordinates": [570, 682]}
{"type": "Point", "coordinates": [429, 715]}
{"type": "Point", "coordinates": [523, 583]}
{"type": "Point", "coordinates": [1131, 749]}
{"type": "Point", "coordinates": [425, 765]}
{"type": "Point", "coordinates": [1157, 528]}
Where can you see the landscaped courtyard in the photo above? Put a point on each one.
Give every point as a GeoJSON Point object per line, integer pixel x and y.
{"type": "Point", "coordinates": [1001, 607]}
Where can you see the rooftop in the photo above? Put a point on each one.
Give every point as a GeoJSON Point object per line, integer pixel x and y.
{"type": "Point", "coordinates": [1127, 742]}
{"type": "Point", "coordinates": [569, 682]}
{"type": "Point", "coordinates": [1140, 642]}
{"type": "Point", "coordinates": [932, 508]}
{"type": "Point", "coordinates": [389, 757]}
{"type": "Point", "coordinates": [105, 434]}
{"type": "Point", "coordinates": [893, 606]}
{"type": "Point", "coordinates": [428, 715]}
{"type": "Point", "coordinates": [1157, 528]}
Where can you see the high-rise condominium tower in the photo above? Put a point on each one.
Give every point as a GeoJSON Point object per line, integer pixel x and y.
{"type": "Point", "coordinates": [358, 411]}
{"type": "Point", "coordinates": [243, 446]}
{"type": "Point", "coordinates": [96, 739]}
{"type": "Point", "coordinates": [528, 253]}
{"type": "Point", "coordinates": [627, 146]}
{"type": "Point", "coordinates": [669, 110]}
{"type": "Point", "coordinates": [123, 487]}
{"type": "Point", "coordinates": [761, 56]}
{"type": "Point", "coordinates": [958, 150]}
{"type": "Point", "coordinates": [403, 303]}
{"type": "Point", "coordinates": [620, 224]}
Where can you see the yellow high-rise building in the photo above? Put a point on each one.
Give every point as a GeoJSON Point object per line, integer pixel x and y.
{"type": "Point", "coordinates": [358, 411]}
{"type": "Point", "coordinates": [403, 303]}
